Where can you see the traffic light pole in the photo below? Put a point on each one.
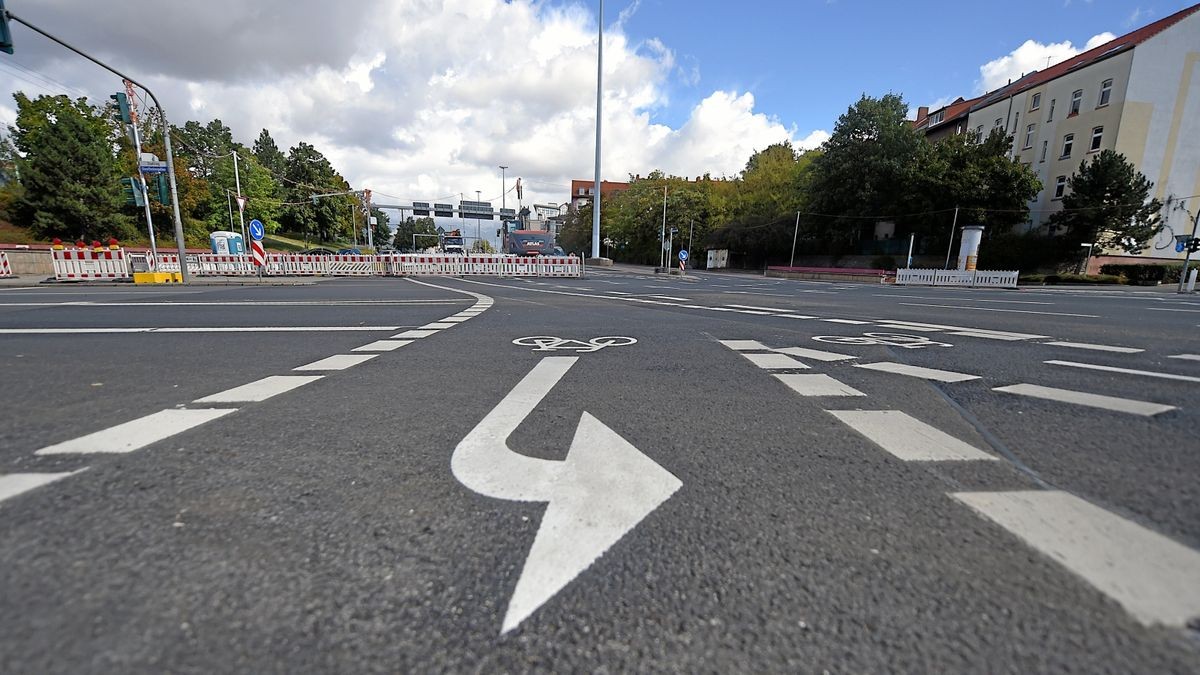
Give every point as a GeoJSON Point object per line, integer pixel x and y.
{"type": "Point", "coordinates": [1187, 257]}
{"type": "Point", "coordinates": [166, 135]}
{"type": "Point", "coordinates": [137, 144]}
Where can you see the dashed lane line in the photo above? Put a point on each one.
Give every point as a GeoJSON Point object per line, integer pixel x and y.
{"type": "Point", "coordinates": [138, 433]}
{"type": "Point", "coordinates": [382, 346]}
{"type": "Point", "coordinates": [814, 354]}
{"type": "Point", "coordinates": [415, 334]}
{"type": "Point", "coordinates": [336, 362]}
{"type": "Point", "coordinates": [13, 484]}
{"type": "Point", "coordinates": [817, 385]}
{"type": "Point", "coordinates": [1113, 403]}
{"type": "Point", "coordinates": [917, 371]}
{"type": "Point", "coordinates": [773, 361]}
{"type": "Point", "coordinates": [1152, 577]}
{"type": "Point", "coordinates": [908, 438]}
{"type": "Point", "coordinates": [1185, 357]}
{"type": "Point", "coordinates": [1124, 371]}
{"type": "Point", "coordinates": [1096, 348]}
{"type": "Point", "coordinates": [260, 390]}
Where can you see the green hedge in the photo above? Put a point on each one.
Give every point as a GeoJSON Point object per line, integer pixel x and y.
{"type": "Point", "coordinates": [1141, 275]}
{"type": "Point", "coordinates": [1051, 279]}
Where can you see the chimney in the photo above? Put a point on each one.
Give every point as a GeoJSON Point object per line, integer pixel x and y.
{"type": "Point", "coordinates": [922, 112]}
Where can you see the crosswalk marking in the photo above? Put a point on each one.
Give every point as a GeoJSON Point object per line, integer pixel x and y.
{"type": "Point", "coordinates": [438, 325]}
{"type": "Point", "coordinates": [336, 362]}
{"type": "Point", "coordinates": [917, 371]}
{"type": "Point", "coordinates": [138, 433]}
{"type": "Point", "coordinates": [745, 345]}
{"type": "Point", "coordinates": [14, 484]}
{"type": "Point", "coordinates": [1154, 578]}
{"type": "Point", "coordinates": [908, 438]}
{"type": "Point", "coordinates": [1113, 403]}
{"type": "Point", "coordinates": [979, 332]}
{"type": "Point", "coordinates": [817, 385]}
{"type": "Point", "coordinates": [1097, 348]}
{"type": "Point", "coordinates": [382, 346]}
{"type": "Point", "coordinates": [413, 334]}
{"type": "Point", "coordinates": [773, 361]}
{"type": "Point", "coordinates": [260, 390]}
{"type": "Point", "coordinates": [1126, 371]}
{"type": "Point", "coordinates": [814, 354]}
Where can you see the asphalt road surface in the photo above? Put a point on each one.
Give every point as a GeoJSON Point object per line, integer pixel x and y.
{"type": "Point", "coordinates": [724, 473]}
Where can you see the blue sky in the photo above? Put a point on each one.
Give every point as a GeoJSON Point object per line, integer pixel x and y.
{"type": "Point", "coordinates": [805, 61]}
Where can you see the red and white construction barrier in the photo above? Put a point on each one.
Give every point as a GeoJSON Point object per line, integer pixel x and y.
{"type": "Point", "coordinates": [75, 264]}
{"type": "Point", "coordinates": [5, 269]}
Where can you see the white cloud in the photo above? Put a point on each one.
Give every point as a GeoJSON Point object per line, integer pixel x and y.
{"type": "Point", "coordinates": [425, 99]}
{"type": "Point", "coordinates": [1030, 56]}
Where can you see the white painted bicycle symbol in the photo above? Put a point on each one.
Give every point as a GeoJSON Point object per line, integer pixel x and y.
{"type": "Point", "coordinates": [549, 343]}
{"type": "Point", "coordinates": [886, 339]}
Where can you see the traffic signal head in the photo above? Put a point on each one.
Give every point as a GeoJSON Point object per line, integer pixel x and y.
{"type": "Point", "coordinates": [132, 189]}
{"type": "Point", "coordinates": [162, 189]}
{"type": "Point", "coordinates": [5, 35]}
{"type": "Point", "coordinates": [1194, 244]}
{"type": "Point", "coordinates": [122, 103]}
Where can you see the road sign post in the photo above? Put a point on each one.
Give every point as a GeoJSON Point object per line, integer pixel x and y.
{"type": "Point", "coordinates": [683, 258]}
{"type": "Point", "coordinates": [257, 253]}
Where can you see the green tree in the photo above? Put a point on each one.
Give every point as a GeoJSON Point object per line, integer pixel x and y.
{"type": "Point", "coordinates": [69, 173]}
{"type": "Point", "coordinates": [866, 168]}
{"type": "Point", "coordinates": [308, 172]}
{"type": "Point", "coordinates": [482, 246]}
{"type": "Point", "coordinates": [403, 239]}
{"type": "Point", "coordinates": [381, 231]}
{"type": "Point", "coordinates": [1108, 202]}
{"type": "Point", "coordinates": [268, 154]}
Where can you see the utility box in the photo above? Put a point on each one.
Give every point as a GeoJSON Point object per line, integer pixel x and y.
{"type": "Point", "coordinates": [718, 259]}
{"type": "Point", "coordinates": [227, 243]}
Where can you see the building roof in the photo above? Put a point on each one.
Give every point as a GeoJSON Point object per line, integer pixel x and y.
{"type": "Point", "coordinates": [606, 187]}
{"type": "Point", "coordinates": [959, 109]}
{"type": "Point", "coordinates": [1107, 50]}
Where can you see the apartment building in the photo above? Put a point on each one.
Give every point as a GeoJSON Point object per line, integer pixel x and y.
{"type": "Point", "coordinates": [1138, 94]}
{"type": "Point", "coordinates": [582, 190]}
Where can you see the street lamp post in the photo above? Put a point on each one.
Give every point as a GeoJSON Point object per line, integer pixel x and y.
{"type": "Point", "coordinates": [477, 198]}
{"type": "Point", "coordinates": [599, 101]}
{"type": "Point", "coordinates": [503, 186]}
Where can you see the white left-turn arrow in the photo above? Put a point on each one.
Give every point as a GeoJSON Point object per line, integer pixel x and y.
{"type": "Point", "coordinates": [602, 490]}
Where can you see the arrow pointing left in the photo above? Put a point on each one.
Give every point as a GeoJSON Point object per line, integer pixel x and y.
{"type": "Point", "coordinates": [601, 491]}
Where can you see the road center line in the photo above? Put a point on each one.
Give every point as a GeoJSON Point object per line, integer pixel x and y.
{"type": "Point", "coordinates": [997, 309]}
{"type": "Point", "coordinates": [198, 329]}
{"type": "Point", "coordinates": [138, 433]}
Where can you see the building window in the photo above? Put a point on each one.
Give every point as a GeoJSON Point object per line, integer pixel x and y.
{"type": "Point", "coordinates": [1068, 141]}
{"type": "Point", "coordinates": [1105, 93]}
{"type": "Point", "coordinates": [979, 133]}
{"type": "Point", "coordinates": [1045, 149]}
{"type": "Point", "coordinates": [937, 117]}
{"type": "Point", "coordinates": [1076, 100]}
{"type": "Point", "coordinates": [958, 129]}
{"type": "Point", "coordinates": [998, 121]}
{"type": "Point", "coordinates": [1029, 135]}
{"type": "Point", "coordinates": [1060, 186]}
{"type": "Point", "coordinates": [1050, 117]}
{"type": "Point", "coordinates": [1097, 135]}
{"type": "Point", "coordinates": [1035, 102]}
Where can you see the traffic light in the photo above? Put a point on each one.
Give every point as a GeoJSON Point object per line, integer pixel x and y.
{"type": "Point", "coordinates": [162, 189]}
{"type": "Point", "coordinates": [5, 34]}
{"type": "Point", "coordinates": [1194, 244]}
{"type": "Point", "coordinates": [132, 188]}
{"type": "Point", "coordinates": [122, 102]}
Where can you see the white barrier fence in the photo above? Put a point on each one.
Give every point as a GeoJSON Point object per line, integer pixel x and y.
{"type": "Point", "coordinates": [972, 278]}
{"type": "Point", "coordinates": [5, 268]}
{"type": "Point", "coordinates": [76, 264]}
{"type": "Point", "coordinates": [291, 264]}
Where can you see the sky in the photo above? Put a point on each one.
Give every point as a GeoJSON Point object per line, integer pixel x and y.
{"type": "Point", "coordinates": [425, 99]}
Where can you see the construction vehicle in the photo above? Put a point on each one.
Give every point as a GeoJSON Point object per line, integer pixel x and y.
{"type": "Point", "coordinates": [517, 241]}
{"type": "Point", "coordinates": [452, 242]}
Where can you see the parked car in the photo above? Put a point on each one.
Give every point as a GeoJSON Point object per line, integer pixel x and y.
{"type": "Point", "coordinates": [349, 251]}
{"type": "Point", "coordinates": [318, 251]}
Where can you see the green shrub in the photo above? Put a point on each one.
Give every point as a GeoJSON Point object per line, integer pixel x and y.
{"type": "Point", "coordinates": [1175, 271]}
{"type": "Point", "coordinates": [1141, 274]}
{"type": "Point", "coordinates": [883, 262]}
{"type": "Point", "coordinates": [1051, 279]}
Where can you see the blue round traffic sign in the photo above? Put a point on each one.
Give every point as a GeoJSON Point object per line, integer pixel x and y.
{"type": "Point", "coordinates": [257, 230]}
{"type": "Point", "coordinates": [683, 255]}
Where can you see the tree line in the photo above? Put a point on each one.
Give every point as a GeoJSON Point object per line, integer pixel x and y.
{"type": "Point", "coordinates": [64, 160]}
{"type": "Point", "coordinates": [874, 168]}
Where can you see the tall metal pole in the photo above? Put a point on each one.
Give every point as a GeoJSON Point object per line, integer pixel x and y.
{"type": "Point", "coordinates": [137, 142]}
{"type": "Point", "coordinates": [166, 135]}
{"type": "Point", "coordinates": [367, 219]}
{"type": "Point", "coordinates": [691, 229]}
{"type": "Point", "coordinates": [599, 100]}
{"type": "Point", "coordinates": [503, 189]}
{"type": "Point", "coordinates": [950, 247]}
{"type": "Point", "coordinates": [237, 182]}
{"type": "Point", "coordinates": [1187, 257]}
{"type": "Point", "coordinates": [795, 234]}
{"type": "Point", "coordinates": [663, 233]}
{"type": "Point", "coordinates": [912, 238]}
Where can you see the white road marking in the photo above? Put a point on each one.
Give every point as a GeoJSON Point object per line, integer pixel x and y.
{"type": "Point", "coordinates": [936, 326]}
{"type": "Point", "coordinates": [197, 329]}
{"type": "Point", "coordinates": [900, 326]}
{"type": "Point", "coordinates": [765, 309]}
{"type": "Point", "coordinates": [617, 292]}
{"type": "Point", "coordinates": [1125, 405]}
{"type": "Point", "coordinates": [908, 438]}
{"type": "Point", "coordinates": [336, 362]}
{"type": "Point", "coordinates": [1186, 357]}
{"type": "Point", "coordinates": [917, 371]}
{"type": "Point", "coordinates": [986, 336]}
{"type": "Point", "coordinates": [595, 496]}
{"type": "Point", "coordinates": [438, 325]}
{"type": "Point", "coordinates": [455, 319]}
{"type": "Point", "coordinates": [382, 346]}
{"type": "Point", "coordinates": [814, 354]}
{"type": "Point", "coordinates": [1098, 348]}
{"type": "Point", "coordinates": [745, 345]}
{"type": "Point", "coordinates": [237, 304]}
{"type": "Point", "coordinates": [1125, 371]}
{"type": "Point", "coordinates": [795, 316]}
{"type": "Point", "coordinates": [13, 484]}
{"type": "Point", "coordinates": [1156, 579]}
{"type": "Point", "coordinates": [414, 334]}
{"type": "Point", "coordinates": [669, 297]}
{"type": "Point", "coordinates": [850, 322]}
{"type": "Point", "coordinates": [139, 433]}
{"type": "Point", "coordinates": [1165, 309]}
{"type": "Point", "coordinates": [773, 361]}
{"type": "Point", "coordinates": [750, 311]}
{"type": "Point", "coordinates": [997, 309]}
{"type": "Point", "coordinates": [817, 385]}
{"type": "Point", "coordinates": [260, 390]}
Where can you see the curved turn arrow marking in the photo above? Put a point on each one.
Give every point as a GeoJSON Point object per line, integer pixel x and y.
{"type": "Point", "coordinates": [601, 491]}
